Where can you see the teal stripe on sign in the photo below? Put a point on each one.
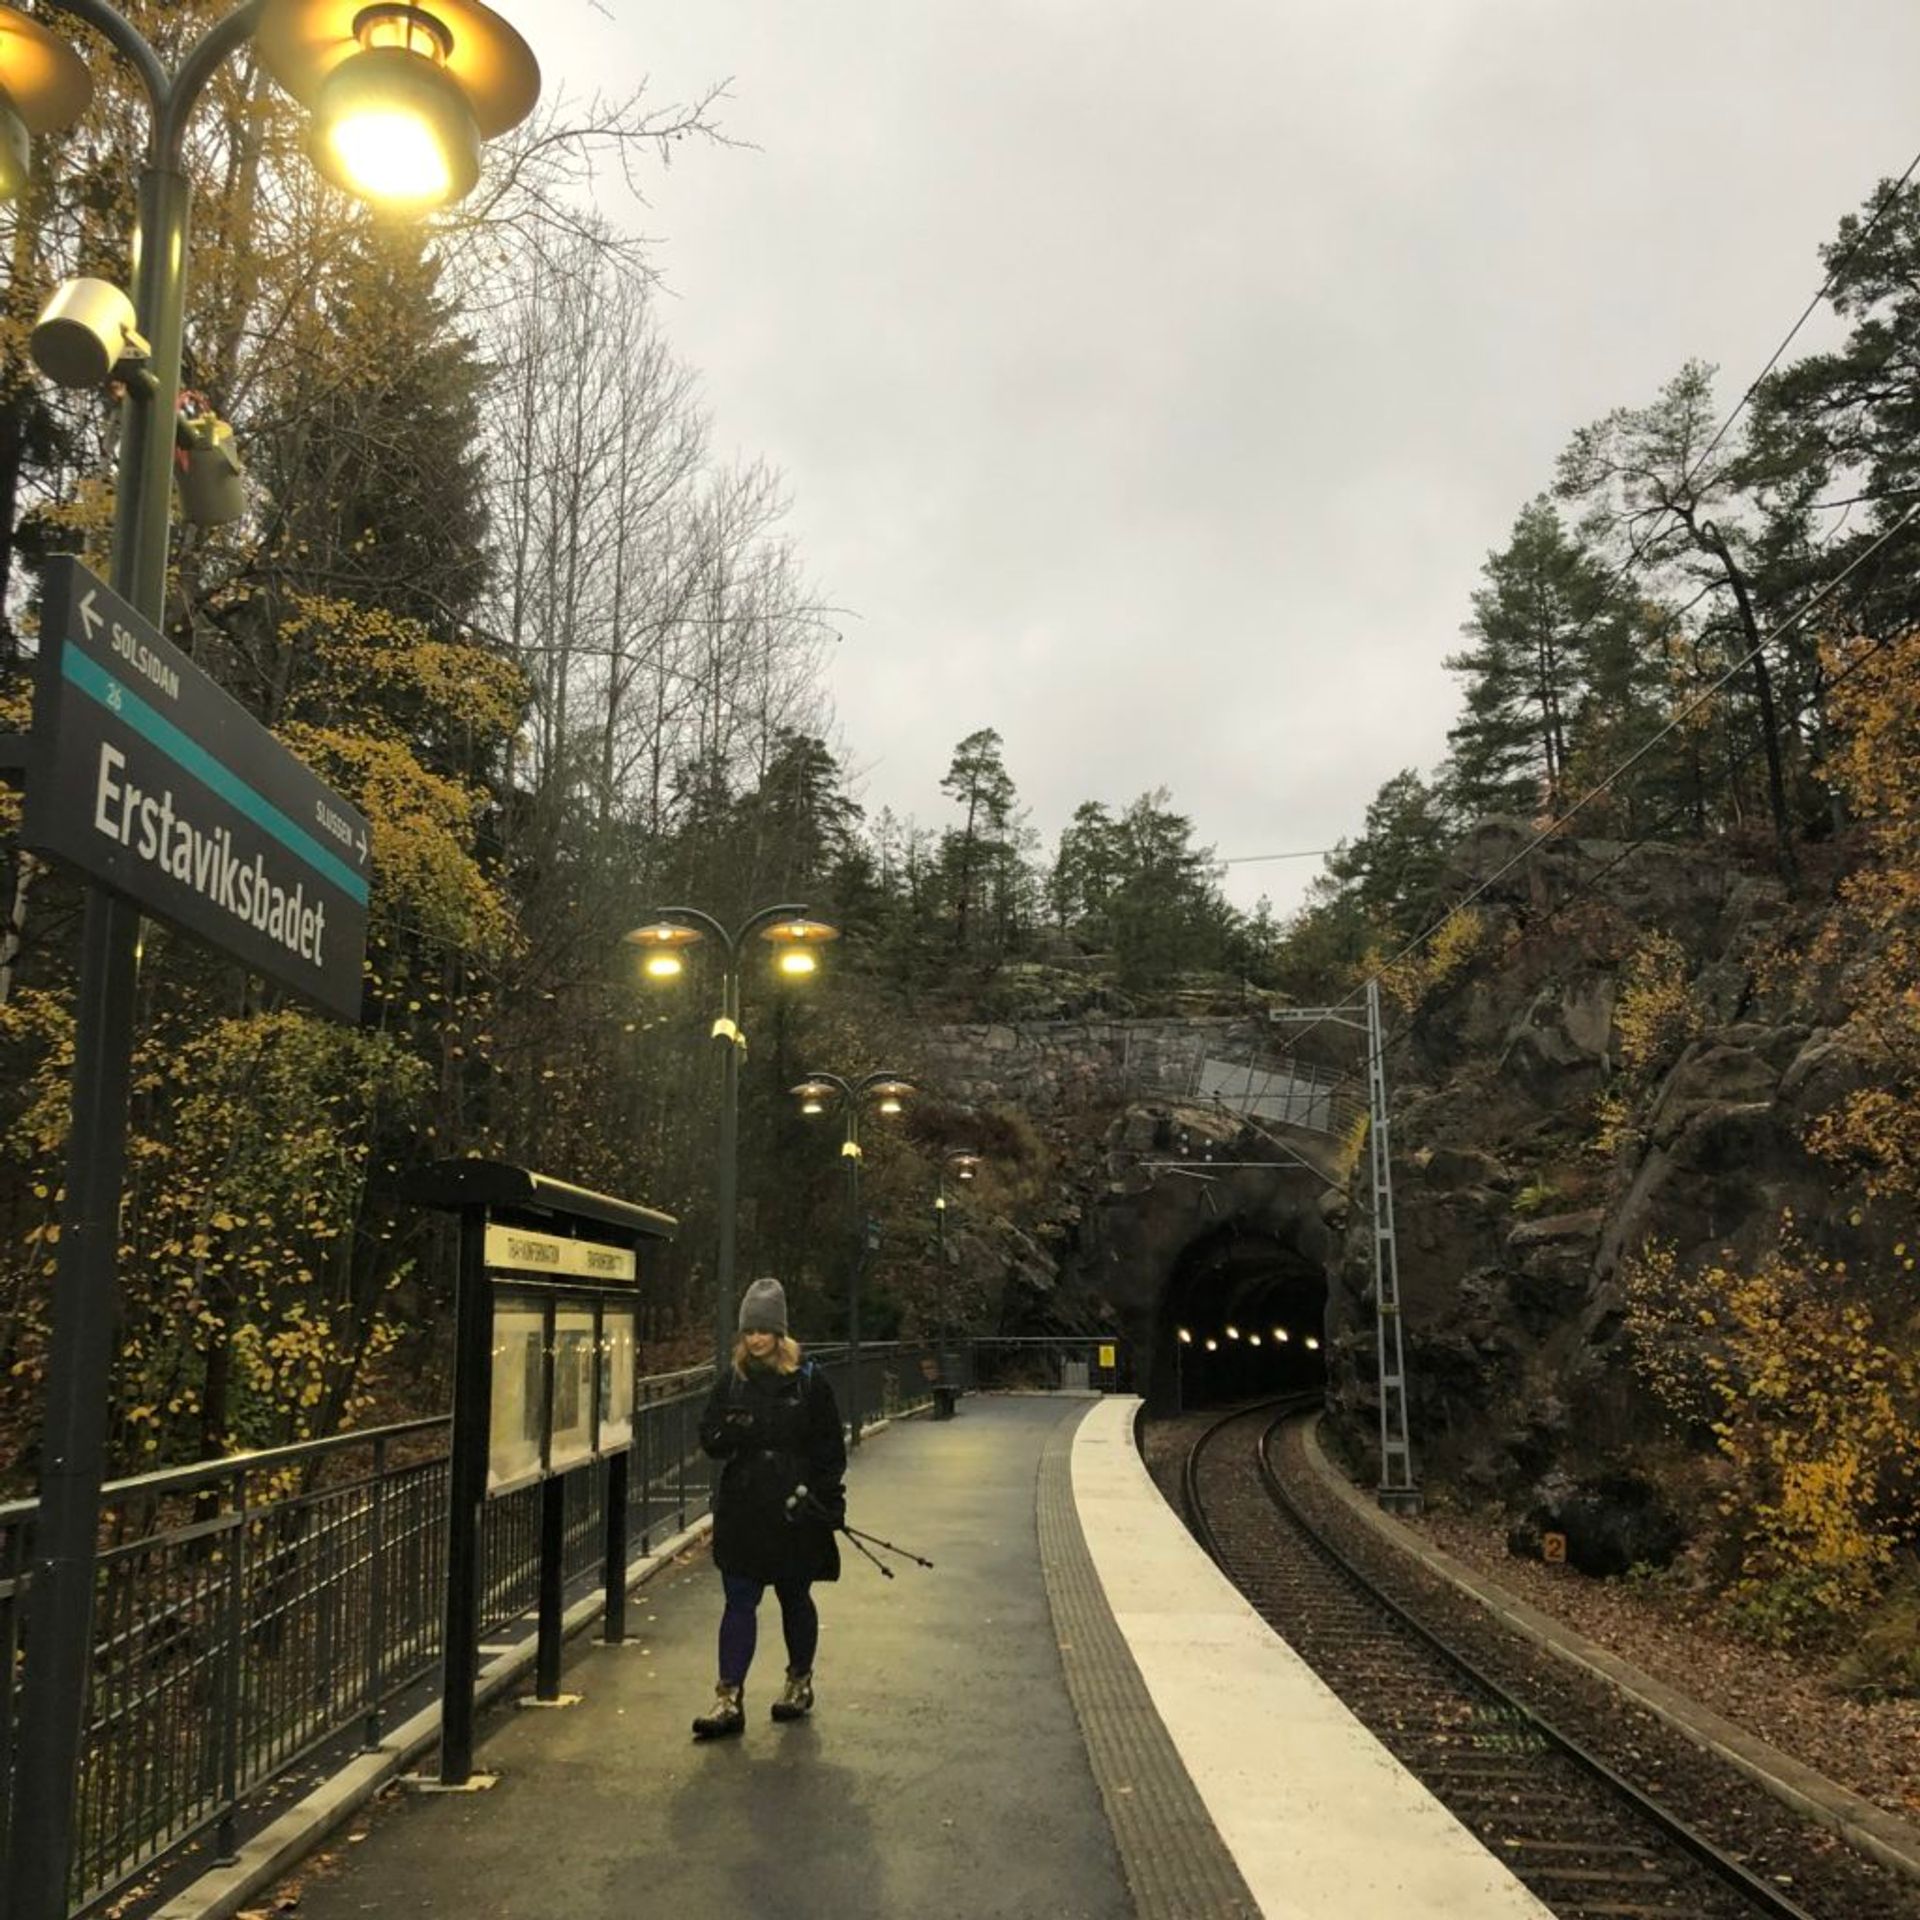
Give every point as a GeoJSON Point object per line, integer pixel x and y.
{"type": "Point", "coordinates": [97, 683]}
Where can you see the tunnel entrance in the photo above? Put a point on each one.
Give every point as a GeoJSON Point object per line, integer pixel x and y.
{"type": "Point", "coordinates": [1242, 1316]}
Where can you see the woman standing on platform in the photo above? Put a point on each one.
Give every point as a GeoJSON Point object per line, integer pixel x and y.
{"type": "Point", "coordinates": [773, 1421]}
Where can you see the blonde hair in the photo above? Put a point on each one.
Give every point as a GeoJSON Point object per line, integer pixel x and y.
{"type": "Point", "coordinates": [785, 1356]}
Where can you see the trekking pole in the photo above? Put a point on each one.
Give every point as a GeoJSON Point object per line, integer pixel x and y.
{"type": "Point", "coordinates": [875, 1558]}
{"type": "Point", "coordinates": [856, 1536]}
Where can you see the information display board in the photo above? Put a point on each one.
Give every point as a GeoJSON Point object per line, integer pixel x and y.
{"type": "Point", "coordinates": [618, 1326]}
{"type": "Point", "coordinates": [570, 1433]}
{"type": "Point", "coordinates": [562, 1388]}
{"type": "Point", "coordinates": [543, 1385]}
{"type": "Point", "coordinates": [519, 1421]}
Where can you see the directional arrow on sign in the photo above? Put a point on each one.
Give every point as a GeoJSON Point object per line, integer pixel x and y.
{"type": "Point", "coordinates": [90, 616]}
{"type": "Point", "coordinates": [362, 848]}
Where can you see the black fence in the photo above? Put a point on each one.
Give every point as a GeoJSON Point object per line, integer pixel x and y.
{"type": "Point", "coordinates": [1065, 1363]}
{"type": "Point", "coordinates": [251, 1610]}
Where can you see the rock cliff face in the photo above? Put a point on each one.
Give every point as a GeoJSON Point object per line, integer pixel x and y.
{"type": "Point", "coordinates": [1519, 1196]}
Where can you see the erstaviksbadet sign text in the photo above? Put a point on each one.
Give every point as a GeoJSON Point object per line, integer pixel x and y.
{"type": "Point", "coordinates": [152, 779]}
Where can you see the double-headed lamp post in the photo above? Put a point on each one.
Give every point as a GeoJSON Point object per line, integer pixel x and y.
{"type": "Point", "coordinates": [399, 99]}
{"type": "Point", "coordinates": [965, 1163]}
{"type": "Point", "coordinates": [819, 1093]}
{"type": "Point", "coordinates": [663, 941]}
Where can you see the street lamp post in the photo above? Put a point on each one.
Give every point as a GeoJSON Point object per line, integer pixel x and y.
{"type": "Point", "coordinates": [965, 1164]}
{"type": "Point", "coordinates": [795, 938]}
{"type": "Point", "coordinates": [490, 86]}
{"type": "Point", "coordinates": [887, 1090]}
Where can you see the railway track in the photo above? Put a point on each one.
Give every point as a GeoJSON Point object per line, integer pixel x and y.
{"type": "Point", "coordinates": [1587, 1843]}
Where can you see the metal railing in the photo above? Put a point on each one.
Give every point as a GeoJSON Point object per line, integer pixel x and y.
{"type": "Point", "coordinates": [1052, 1363]}
{"type": "Point", "coordinates": [250, 1611]}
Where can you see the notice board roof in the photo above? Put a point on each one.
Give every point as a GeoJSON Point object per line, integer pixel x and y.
{"type": "Point", "coordinates": [504, 1189]}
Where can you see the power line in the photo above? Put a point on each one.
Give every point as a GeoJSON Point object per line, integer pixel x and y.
{"type": "Point", "coordinates": [1826, 286]}
{"type": "Point", "coordinates": [1250, 859]}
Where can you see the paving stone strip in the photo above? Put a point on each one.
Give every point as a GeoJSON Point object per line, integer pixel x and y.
{"type": "Point", "coordinates": [1177, 1866]}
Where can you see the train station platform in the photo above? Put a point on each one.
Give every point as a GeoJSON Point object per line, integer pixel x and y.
{"type": "Point", "coordinates": [1073, 1715]}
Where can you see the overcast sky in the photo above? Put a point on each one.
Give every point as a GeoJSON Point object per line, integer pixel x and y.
{"type": "Point", "coordinates": [1152, 377]}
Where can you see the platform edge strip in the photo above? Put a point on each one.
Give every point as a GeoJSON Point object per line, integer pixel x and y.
{"type": "Point", "coordinates": [1176, 1864]}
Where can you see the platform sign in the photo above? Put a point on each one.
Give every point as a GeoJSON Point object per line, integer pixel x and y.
{"type": "Point", "coordinates": [149, 777]}
{"type": "Point", "coordinates": [553, 1256]}
{"type": "Point", "coordinates": [1553, 1549]}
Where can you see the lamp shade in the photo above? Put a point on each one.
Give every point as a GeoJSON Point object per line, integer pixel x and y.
{"type": "Point", "coordinates": [302, 43]}
{"type": "Point", "coordinates": [45, 81]}
{"type": "Point", "coordinates": [799, 932]}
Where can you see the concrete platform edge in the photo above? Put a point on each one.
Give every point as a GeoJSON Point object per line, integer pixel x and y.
{"type": "Point", "coordinates": [1882, 1836]}
{"type": "Point", "coordinates": [276, 1848]}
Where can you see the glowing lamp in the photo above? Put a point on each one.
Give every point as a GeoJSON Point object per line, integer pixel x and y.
{"type": "Point", "coordinates": [813, 1106]}
{"type": "Point", "coordinates": [1186, 1336]}
{"type": "Point", "coordinates": [796, 962]}
{"type": "Point", "coordinates": [1253, 1339]}
{"type": "Point", "coordinates": [1213, 1346]}
{"type": "Point", "coordinates": [798, 935]}
{"type": "Point", "coordinates": [400, 96]}
{"type": "Point", "coordinates": [663, 966]}
{"type": "Point", "coordinates": [1313, 1345]}
{"type": "Point", "coordinates": [44, 86]}
{"type": "Point", "coordinates": [1233, 1333]}
{"type": "Point", "coordinates": [1280, 1333]}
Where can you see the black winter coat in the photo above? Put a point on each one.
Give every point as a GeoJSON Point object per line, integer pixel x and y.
{"type": "Point", "coordinates": [775, 1432]}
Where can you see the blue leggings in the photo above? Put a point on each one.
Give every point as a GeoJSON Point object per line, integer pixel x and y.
{"type": "Point", "coordinates": [740, 1625]}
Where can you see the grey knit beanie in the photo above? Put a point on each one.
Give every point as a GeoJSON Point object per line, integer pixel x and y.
{"type": "Point", "coordinates": [763, 1308]}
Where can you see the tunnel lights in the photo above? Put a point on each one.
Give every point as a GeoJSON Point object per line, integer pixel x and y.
{"type": "Point", "coordinates": [1233, 1332]}
{"type": "Point", "coordinates": [1185, 1336]}
{"type": "Point", "coordinates": [1253, 1339]}
{"type": "Point", "coordinates": [1213, 1345]}
{"type": "Point", "coordinates": [44, 87]}
{"type": "Point", "coordinates": [400, 97]}
{"type": "Point", "coordinates": [1280, 1334]}
{"type": "Point", "coordinates": [1313, 1345]}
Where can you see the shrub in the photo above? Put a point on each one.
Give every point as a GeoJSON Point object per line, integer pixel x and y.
{"type": "Point", "coordinates": [1815, 1408]}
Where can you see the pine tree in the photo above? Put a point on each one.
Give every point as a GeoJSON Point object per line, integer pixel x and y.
{"type": "Point", "coordinates": [1547, 611]}
{"type": "Point", "coordinates": [978, 783]}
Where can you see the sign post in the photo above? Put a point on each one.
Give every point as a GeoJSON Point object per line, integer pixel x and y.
{"type": "Point", "coordinates": [170, 799]}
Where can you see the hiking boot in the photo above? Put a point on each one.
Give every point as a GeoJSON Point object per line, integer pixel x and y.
{"type": "Point", "coordinates": [728, 1715]}
{"type": "Point", "coordinates": [796, 1697]}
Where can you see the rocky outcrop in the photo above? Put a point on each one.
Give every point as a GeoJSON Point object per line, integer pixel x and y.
{"type": "Point", "coordinates": [1521, 1202]}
